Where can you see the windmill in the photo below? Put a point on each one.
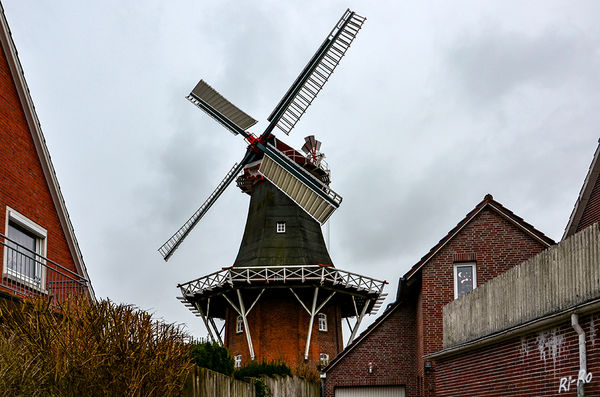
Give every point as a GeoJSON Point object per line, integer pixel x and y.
{"type": "Point", "coordinates": [283, 184]}
{"type": "Point", "coordinates": [312, 195]}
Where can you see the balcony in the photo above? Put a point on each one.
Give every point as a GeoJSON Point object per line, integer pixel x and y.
{"type": "Point", "coordinates": [26, 273]}
{"type": "Point", "coordinates": [352, 290]}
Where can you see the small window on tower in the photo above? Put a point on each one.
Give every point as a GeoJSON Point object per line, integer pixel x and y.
{"type": "Point", "coordinates": [280, 227]}
{"type": "Point", "coordinates": [238, 361]}
{"type": "Point", "coordinates": [239, 324]}
{"type": "Point", "coordinates": [324, 358]}
{"type": "Point", "coordinates": [322, 322]}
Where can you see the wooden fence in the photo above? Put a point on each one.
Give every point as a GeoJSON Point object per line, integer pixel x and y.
{"type": "Point", "coordinates": [292, 386]}
{"type": "Point", "coordinates": [206, 383]}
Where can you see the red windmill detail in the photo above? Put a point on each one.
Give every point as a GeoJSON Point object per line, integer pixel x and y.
{"type": "Point", "coordinates": [312, 148]}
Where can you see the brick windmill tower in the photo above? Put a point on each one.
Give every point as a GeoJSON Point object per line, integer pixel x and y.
{"type": "Point", "coordinates": [282, 298]}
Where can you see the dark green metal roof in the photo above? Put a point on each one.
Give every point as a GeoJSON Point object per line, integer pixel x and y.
{"type": "Point", "coordinates": [301, 244]}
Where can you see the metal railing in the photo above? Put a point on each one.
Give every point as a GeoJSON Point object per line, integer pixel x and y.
{"type": "Point", "coordinates": [282, 274]}
{"type": "Point", "coordinates": [26, 273]}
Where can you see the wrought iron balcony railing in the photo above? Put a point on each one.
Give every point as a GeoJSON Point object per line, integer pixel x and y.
{"type": "Point", "coordinates": [26, 273]}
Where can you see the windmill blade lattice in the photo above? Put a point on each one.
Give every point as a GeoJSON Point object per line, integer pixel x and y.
{"type": "Point", "coordinates": [314, 197]}
{"type": "Point", "coordinates": [216, 106]}
{"type": "Point", "coordinates": [316, 73]}
{"type": "Point", "coordinates": [167, 249]}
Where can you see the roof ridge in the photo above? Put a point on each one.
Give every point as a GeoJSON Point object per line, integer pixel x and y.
{"type": "Point", "coordinates": [488, 200]}
{"type": "Point", "coordinates": [584, 195]}
{"type": "Point", "coordinates": [391, 307]}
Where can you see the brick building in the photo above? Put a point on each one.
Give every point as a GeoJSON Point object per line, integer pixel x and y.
{"type": "Point", "coordinates": [519, 335]}
{"type": "Point", "coordinates": [587, 207]}
{"type": "Point", "coordinates": [542, 330]}
{"type": "Point", "coordinates": [40, 254]}
{"type": "Point", "coordinates": [393, 353]}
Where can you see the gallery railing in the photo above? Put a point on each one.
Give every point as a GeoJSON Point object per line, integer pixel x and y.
{"type": "Point", "coordinates": [283, 274]}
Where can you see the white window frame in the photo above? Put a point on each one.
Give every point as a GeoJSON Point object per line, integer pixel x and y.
{"type": "Point", "coordinates": [239, 325]}
{"type": "Point", "coordinates": [41, 235]}
{"type": "Point", "coordinates": [464, 264]}
{"type": "Point", "coordinates": [280, 227]}
{"type": "Point", "coordinates": [324, 358]}
{"type": "Point", "coordinates": [322, 320]}
{"type": "Point", "coordinates": [238, 361]}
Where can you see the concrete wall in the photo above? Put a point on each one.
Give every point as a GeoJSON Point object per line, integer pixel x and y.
{"type": "Point", "coordinates": [559, 278]}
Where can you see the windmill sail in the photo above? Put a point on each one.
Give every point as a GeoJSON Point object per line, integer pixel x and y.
{"type": "Point", "coordinates": [314, 197]}
{"type": "Point", "coordinates": [316, 73]}
{"type": "Point", "coordinates": [167, 249]}
{"type": "Point", "coordinates": [230, 116]}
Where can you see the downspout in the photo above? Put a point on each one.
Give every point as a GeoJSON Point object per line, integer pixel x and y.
{"type": "Point", "coordinates": [582, 354]}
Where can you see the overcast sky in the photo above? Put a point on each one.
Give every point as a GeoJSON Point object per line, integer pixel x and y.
{"type": "Point", "coordinates": [435, 104]}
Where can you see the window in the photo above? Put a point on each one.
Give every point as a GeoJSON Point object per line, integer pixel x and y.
{"type": "Point", "coordinates": [238, 361]}
{"type": "Point", "coordinates": [324, 358]}
{"type": "Point", "coordinates": [25, 249]}
{"type": "Point", "coordinates": [322, 322]}
{"type": "Point", "coordinates": [465, 279]}
{"type": "Point", "coordinates": [280, 227]}
{"type": "Point", "coordinates": [239, 324]}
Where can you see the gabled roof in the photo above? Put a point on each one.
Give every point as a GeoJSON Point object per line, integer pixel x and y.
{"type": "Point", "coordinates": [488, 202]}
{"type": "Point", "coordinates": [584, 195]}
{"type": "Point", "coordinates": [35, 129]}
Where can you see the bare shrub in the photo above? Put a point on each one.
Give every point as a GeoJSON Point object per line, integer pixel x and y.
{"type": "Point", "coordinates": [89, 348]}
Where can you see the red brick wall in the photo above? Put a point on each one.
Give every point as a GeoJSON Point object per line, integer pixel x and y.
{"type": "Point", "coordinates": [390, 347]}
{"type": "Point", "coordinates": [591, 213]}
{"type": "Point", "coordinates": [495, 244]}
{"type": "Point", "coordinates": [419, 342]}
{"type": "Point", "coordinates": [531, 365]}
{"type": "Point", "coordinates": [278, 327]}
{"type": "Point", "coordinates": [22, 183]}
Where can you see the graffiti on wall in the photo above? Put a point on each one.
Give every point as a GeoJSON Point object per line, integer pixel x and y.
{"type": "Point", "coordinates": [566, 382]}
{"type": "Point", "coordinates": [551, 345]}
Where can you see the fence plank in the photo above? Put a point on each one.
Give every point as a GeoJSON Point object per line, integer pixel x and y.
{"type": "Point", "coordinates": [206, 383]}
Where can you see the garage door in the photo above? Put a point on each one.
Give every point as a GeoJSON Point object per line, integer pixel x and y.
{"type": "Point", "coordinates": [381, 391]}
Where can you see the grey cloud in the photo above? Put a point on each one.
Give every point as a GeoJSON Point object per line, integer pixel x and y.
{"type": "Point", "coordinates": [489, 65]}
{"type": "Point", "coordinates": [416, 132]}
